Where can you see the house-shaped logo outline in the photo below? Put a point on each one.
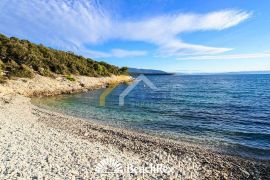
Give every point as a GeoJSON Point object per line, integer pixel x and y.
{"type": "Point", "coordinates": [133, 85]}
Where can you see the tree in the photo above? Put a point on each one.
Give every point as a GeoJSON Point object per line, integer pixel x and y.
{"type": "Point", "coordinates": [21, 57]}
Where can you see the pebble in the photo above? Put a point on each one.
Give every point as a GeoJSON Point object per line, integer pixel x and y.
{"type": "Point", "coordinates": [37, 144]}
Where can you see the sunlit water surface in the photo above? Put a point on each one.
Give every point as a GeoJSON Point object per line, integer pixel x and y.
{"type": "Point", "coordinates": [230, 113]}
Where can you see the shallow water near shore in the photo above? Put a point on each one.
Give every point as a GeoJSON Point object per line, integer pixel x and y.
{"type": "Point", "coordinates": [230, 113]}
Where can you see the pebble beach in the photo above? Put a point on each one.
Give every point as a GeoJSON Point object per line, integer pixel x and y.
{"type": "Point", "coordinates": [41, 144]}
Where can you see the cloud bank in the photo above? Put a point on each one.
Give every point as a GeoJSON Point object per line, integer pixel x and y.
{"type": "Point", "coordinates": [74, 24]}
{"type": "Point", "coordinates": [119, 53]}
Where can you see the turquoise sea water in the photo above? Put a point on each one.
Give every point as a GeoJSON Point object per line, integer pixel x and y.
{"type": "Point", "coordinates": [230, 113]}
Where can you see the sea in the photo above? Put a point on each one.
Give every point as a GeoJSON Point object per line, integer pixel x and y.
{"type": "Point", "coordinates": [226, 113]}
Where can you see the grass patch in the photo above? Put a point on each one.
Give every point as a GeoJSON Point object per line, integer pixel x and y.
{"type": "Point", "coordinates": [3, 79]}
{"type": "Point", "coordinates": [70, 78]}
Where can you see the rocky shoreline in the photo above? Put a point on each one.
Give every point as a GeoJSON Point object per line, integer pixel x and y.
{"type": "Point", "coordinates": [40, 144]}
{"type": "Point", "coordinates": [46, 86]}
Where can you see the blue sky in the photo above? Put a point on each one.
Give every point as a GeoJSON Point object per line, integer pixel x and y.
{"type": "Point", "coordinates": [171, 35]}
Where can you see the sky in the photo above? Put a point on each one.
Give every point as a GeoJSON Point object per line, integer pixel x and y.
{"type": "Point", "coordinates": [191, 36]}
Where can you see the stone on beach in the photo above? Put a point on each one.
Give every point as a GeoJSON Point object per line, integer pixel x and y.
{"type": "Point", "coordinates": [39, 144]}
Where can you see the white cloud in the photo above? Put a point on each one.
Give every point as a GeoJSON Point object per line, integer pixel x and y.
{"type": "Point", "coordinates": [163, 30]}
{"type": "Point", "coordinates": [179, 48]}
{"type": "Point", "coordinates": [119, 53]}
{"type": "Point", "coordinates": [228, 56]}
{"type": "Point", "coordinates": [125, 53]}
{"type": "Point", "coordinates": [72, 25]}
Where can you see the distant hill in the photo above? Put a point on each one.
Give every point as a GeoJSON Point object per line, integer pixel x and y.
{"type": "Point", "coordinates": [21, 58]}
{"type": "Point", "coordinates": [147, 71]}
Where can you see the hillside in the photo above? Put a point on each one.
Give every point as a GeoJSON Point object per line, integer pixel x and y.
{"type": "Point", "coordinates": [147, 71]}
{"type": "Point", "coordinates": [21, 58]}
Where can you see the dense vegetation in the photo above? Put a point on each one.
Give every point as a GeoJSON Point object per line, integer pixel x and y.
{"type": "Point", "coordinates": [21, 58]}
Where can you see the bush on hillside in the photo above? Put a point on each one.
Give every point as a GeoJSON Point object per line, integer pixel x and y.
{"type": "Point", "coordinates": [70, 78]}
{"type": "Point", "coordinates": [1, 71]}
{"type": "Point", "coordinates": [22, 58]}
{"type": "Point", "coordinates": [15, 70]}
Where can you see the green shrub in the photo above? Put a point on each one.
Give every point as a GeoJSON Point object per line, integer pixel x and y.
{"type": "Point", "coordinates": [21, 58]}
{"type": "Point", "coordinates": [1, 67]}
{"type": "Point", "coordinates": [70, 77]}
{"type": "Point", "coordinates": [44, 72]}
{"type": "Point", "coordinates": [16, 70]}
{"type": "Point", "coordinates": [2, 78]}
{"type": "Point", "coordinates": [123, 70]}
{"type": "Point", "coordinates": [25, 71]}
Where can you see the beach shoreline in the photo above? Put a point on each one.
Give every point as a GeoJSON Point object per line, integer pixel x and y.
{"type": "Point", "coordinates": [123, 130]}
{"type": "Point", "coordinates": [38, 143]}
{"type": "Point", "coordinates": [47, 86]}
{"type": "Point", "coordinates": [139, 143]}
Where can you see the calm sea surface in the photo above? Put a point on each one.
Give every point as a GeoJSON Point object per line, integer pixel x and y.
{"type": "Point", "coordinates": [230, 113]}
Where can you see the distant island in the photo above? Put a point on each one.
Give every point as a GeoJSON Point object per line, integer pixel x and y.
{"type": "Point", "coordinates": [135, 71]}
